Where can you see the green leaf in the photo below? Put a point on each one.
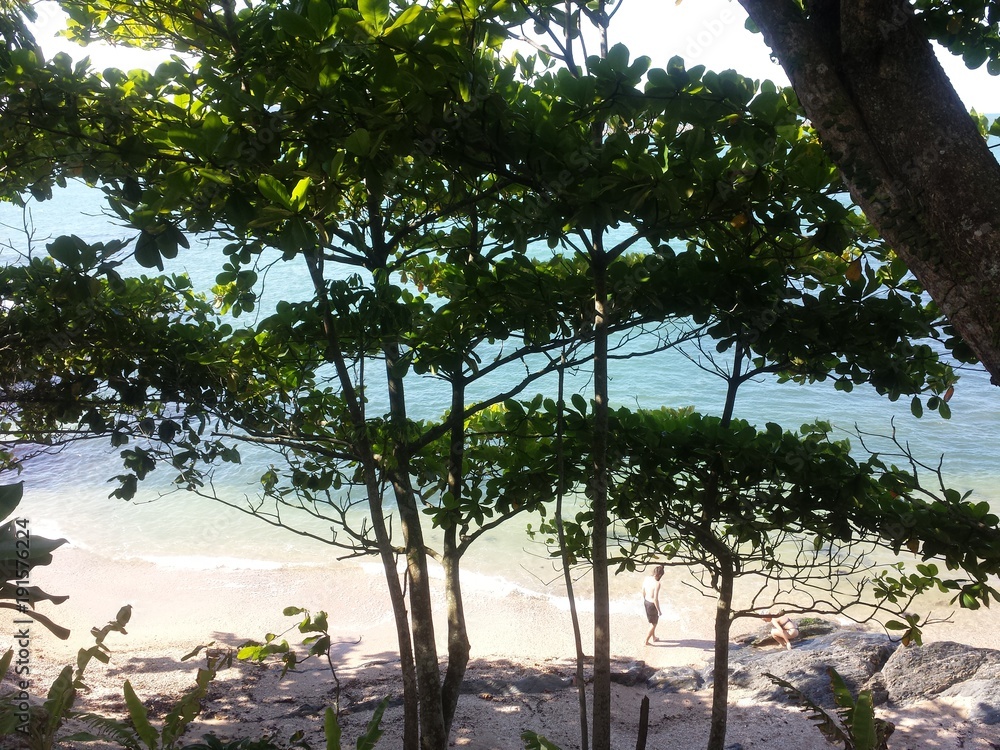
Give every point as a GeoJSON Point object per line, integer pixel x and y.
{"type": "Point", "coordinates": [59, 701]}
{"type": "Point", "coordinates": [274, 191]}
{"type": "Point", "coordinates": [841, 693]}
{"type": "Point", "coordinates": [331, 729]}
{"type": "Point", "coordinates": [534, 741]}
{"type": "Point", "coordinates": [66, 250]}
{"type": "Point", "coordinates": [147, 253]}
{"type": "Point", "coordinates": [320, 16]}
{"type": "Point", "coordinates": [863, 722]}
{"type": "Point", "coordinates": [405, 18]}
{"type": "Point", "coordinates": [359, 142]}
{"type": "Point", "coordinates": [187, 139]}
{"type": "Point", "coordinates": [300, 192]}
{"type": "Point", "coordinates": [369, 739]}
{"type": "Point", "coordinates": [10, 498]}
{"type": "Point", "coordinates": [374, 12]}
{"type": "Point", "coordinates": [5, 662]}
{"type": "Point", "coordinates": [140, 718]}
{"type": "Point", "coordinates": [295, 25]}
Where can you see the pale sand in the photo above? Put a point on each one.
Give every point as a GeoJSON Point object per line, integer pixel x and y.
{"type": "Point", "coordinates": [513, 634]}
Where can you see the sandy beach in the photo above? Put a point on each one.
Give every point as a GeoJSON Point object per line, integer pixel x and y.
{"type": "Point", "coordinates": [513, 634]}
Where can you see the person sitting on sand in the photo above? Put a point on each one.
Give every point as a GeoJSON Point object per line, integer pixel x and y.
{"type": "Point", "coordinates": [651, 600]}
{"type": "Point", "coordinates": [783, 629]}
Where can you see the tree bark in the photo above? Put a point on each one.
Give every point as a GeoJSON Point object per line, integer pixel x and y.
{"type": "Point", "coordinates": [907, 148]}
{"type": "Point", "coordinates": [458, 635]}
{"type": "Point", "coordinates": [433, 734]}
{"type": "Point", "coordinates": [720, 670]}
{"type": "Point", "coordinates": [581, 682]}
{"type": "Point", "coordinates": [601, 734]}
{"type": "Point", "coordinates": [335, 355]}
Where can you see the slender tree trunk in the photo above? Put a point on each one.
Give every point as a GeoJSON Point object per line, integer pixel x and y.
{"type": "Point", "coordinates": [599, 501]}
{"type": "Point", "coordinates": [458, 636]}
{"type": "Point", "coordinates": [640, 740]}
{"type": "Point", "coordinates": [433, 732]}
{"type": "Point", "coordinates": [599, 484]}
{"type": "Point", "coordinates": [581, 681]}
{"type": "Point", "coordinates": [912, 157]}
{"type": "Point", "coordinates": [720, 670]}
{"type": "Point", "coordinates": [335, 355]}
{"type": "Point", "coordinates": [726, 575]}
{"type": "Point", "coordinates": [433, 735]}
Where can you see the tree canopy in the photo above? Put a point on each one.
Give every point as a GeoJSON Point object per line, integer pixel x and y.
{"type": "Point", "coordinates": [468, 217]}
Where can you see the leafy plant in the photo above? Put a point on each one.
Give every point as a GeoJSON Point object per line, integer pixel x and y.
{"type": "Point", "coordinates": [39, 726]}
{"type": "Point", "coordinates": [534, 741]}
{"type": "Point", "coordinates": [331, 731]}
{"type": "Point", "coordinates": [142, 733]}
{"type": "Point", "coordinates": [857, 729]}
{"type": "Point", "coordinates": [318, 642]}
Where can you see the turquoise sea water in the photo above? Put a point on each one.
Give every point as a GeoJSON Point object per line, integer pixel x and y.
{"type": "Point", "coordinates": [67, 494]}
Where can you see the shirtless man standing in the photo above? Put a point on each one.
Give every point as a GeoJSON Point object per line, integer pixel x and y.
{"type": "Point", "coordinates": [651, 600]}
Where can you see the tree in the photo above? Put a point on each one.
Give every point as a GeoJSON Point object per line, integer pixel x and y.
{"type": "Point", "coordinates": [389, 152]}
{"type": "Point", "coordinates": [793, 284]}
{"type": "Point", "coordinates": [912, 156]}
{"type": "Point", "coordinates": [332, 137]}
{"type": "Point", "coordinates": [299, 135]}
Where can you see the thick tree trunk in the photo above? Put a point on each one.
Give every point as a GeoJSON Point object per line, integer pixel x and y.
{"type": "Point", "coordinates": [909, 152]}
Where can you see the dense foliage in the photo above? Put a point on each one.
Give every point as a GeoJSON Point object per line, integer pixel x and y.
{"type": "Point", "coordinates": [477, 219]}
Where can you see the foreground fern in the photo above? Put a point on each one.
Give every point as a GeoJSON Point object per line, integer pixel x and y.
{"type": "Point", "coordinates": [857, 729]}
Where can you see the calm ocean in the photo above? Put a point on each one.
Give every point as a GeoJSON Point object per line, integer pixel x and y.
{"type": "Point", "coordinates": [67, 495]}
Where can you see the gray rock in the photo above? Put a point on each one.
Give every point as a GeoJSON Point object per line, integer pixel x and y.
{"type": "Point", "coordinates": [921, 672]}
{"type": "Point", "coordinates": [631, 674]}
{"type": "Point", "coordinates": [541, 683]}
{"type": "Point", "coordinates": [479, 686]}
{"type": "Point", "coordinates": [855, 655]}
{"type": "Point", "coordinates": [675, 679]}
{"type": "Point", "coordinates": [532, 683]}
{"type": "Point", "coordinates": [880, 693]}
{"type": "Point", "coordinates": [985, 695]}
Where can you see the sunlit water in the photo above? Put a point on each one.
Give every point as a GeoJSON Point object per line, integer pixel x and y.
{"type": "Point", "coordinates": [67, 495]}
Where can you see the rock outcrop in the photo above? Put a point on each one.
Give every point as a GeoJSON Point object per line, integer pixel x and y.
{"type": "Point", "coordinates": [856, 655]}
{"type": "Point", "coordinates": [946, 670]}
{"type": "Point", "coordinates": [896, 675]}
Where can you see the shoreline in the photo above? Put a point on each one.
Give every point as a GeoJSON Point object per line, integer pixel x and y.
{"type": "Point", "coordinates": [514, 634]}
